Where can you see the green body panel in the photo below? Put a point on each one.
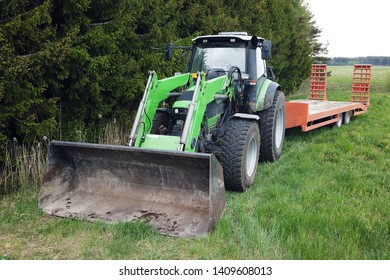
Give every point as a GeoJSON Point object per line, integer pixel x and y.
{"type": "Point", "coordinates": [182, 104]}
{"type": "Point", "coordinates": [157, 92]}
{"type": "Point", "coordinates": [212, 121]}
{"type": "Point", "coordinates": [161, 142]}
{"type": "Point", "coordinates": [262, 86]}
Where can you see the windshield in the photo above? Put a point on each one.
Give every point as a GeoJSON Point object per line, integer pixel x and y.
{"type": "Point", "coordinates": [218, 56]}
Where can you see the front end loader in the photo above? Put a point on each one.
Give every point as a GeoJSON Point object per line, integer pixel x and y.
{"type": "Point", "coordinates": [194, 135]}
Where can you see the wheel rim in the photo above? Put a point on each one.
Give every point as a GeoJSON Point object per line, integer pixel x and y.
{"type": "Point", "coordinates": [251, 158]}
{"type": "Point", "coordinates": [347, 117]}
{"type": "Point", "coordinates": [279, 128]}
{"type": "Point", "coordinates": [340, 121]}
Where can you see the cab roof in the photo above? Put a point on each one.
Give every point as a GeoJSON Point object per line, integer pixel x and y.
{"type": "Point", "coordinates": [222, 36]}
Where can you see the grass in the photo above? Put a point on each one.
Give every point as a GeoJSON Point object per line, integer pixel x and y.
{"type": "Point", "coordinates": [326, 198]}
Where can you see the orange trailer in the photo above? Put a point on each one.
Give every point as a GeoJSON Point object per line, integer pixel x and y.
{"type": "Point", "coordinates": [317, 111]}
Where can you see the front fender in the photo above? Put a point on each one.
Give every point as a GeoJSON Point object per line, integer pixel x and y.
{"type": "Point", "coordinates": [246, 116]}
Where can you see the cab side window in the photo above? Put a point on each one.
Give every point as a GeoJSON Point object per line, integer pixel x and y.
{"type": "Point", "coordinates": [260, 63]}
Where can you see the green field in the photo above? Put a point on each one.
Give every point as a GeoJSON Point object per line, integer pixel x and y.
{"type": "Point", "coordinates": [328, 197]}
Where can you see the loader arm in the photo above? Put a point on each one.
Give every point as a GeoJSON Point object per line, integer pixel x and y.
{"type": "Point", "coordinates": [157, 91]}
{"type": "Point", "coordinates": [207, 94]}
{"type": "Point", "coordinates": [204, 92]}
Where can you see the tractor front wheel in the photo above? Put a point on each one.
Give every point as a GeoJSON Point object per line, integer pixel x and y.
{"type": "Point", "coordinates": [239, 154]}
{"type": "Point", "coordinates": [160, 124]}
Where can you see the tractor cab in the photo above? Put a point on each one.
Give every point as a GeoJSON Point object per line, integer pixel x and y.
{"type": "Point", "coordinates": [215, 55]}
{"type": "Point", "coordinates": [236, 52]}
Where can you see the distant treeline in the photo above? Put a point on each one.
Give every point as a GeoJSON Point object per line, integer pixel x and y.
{"type": "Point", "coordinates": [374, 60]}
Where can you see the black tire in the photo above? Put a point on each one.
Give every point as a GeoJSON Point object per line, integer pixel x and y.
{"type": "Point", "coordinates": [161, 118]}
{"type": "Point", "coordinates": [239, 154]}
{"type": "Point", "coordinates": [272, 128]}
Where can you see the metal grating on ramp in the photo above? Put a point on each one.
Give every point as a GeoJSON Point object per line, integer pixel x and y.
{"type": "Point", "coordinates": [318, 82]}
{"type": "Point", "coordinates": [361, 82]}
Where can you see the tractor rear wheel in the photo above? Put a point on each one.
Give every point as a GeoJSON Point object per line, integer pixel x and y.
{"type": "Point", "coordinates": [272, 127]}
{"type": "Point", "coordinates": [239, 154]}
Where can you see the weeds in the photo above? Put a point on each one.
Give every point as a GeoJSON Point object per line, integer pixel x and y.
{"type": "Point", "coordinates": [115, 134]}
{"type": "Point", "coordinates": [23, 166]}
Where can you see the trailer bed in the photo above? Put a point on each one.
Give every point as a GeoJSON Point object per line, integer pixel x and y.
{"type": "Point", "coordinates": [317, 111]}
{"type": "Point", "coordinates": [311, 114]}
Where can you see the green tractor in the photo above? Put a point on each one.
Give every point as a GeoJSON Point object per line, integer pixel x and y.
{"type": "Point", "coordinates": [194, 135]}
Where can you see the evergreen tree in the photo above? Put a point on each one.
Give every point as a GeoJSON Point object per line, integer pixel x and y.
{"type": "Point", "coordinates": [29, 49]}
{"type": "Point", "coordinates": [66, 65]}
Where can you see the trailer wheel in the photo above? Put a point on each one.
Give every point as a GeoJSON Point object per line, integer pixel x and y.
{"type": "Point", "coordinates": [272, 127]}
{"type": "Point", "coordinates": [339, 122]}
{"type": "Point", "coordinates": [347, 117]}
{"type": "Point", "coordinates": [239, 154]}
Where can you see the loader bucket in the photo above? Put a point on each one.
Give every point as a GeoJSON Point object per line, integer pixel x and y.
{"type": "Point", "coordinates": [178, 193]}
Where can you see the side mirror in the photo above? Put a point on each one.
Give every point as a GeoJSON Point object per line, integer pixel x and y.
{"type": "Point", "coordinates": [266, 49]}
{"type": "Point", "coordinates": [168, 51]}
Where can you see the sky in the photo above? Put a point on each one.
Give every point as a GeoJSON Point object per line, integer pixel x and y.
{"type": "Point", "coordinates": [353, 27]}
